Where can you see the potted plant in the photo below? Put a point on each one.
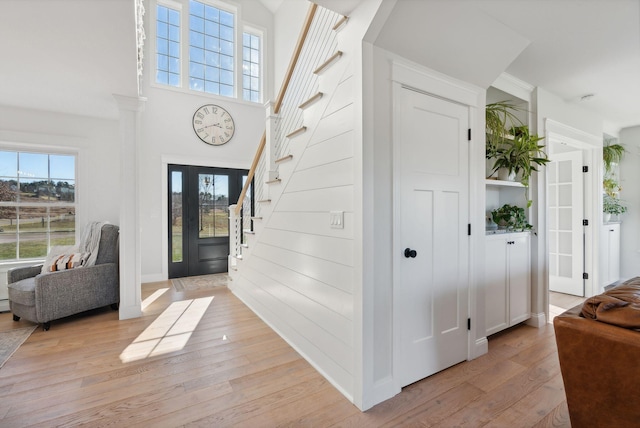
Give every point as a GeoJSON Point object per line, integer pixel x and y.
{"type": "Point", "coordinates": [522, 155]}
{"type": "Point", "coordinates": [611, 186]}
{"type": "Point", "coordinates": [612, 206]}
{"type": "Point", "coordinates": [510, 217]}
{"type": "Point", "coordinates": [499, 117]}
{"type": "Point", "coordinates": [611, 154]}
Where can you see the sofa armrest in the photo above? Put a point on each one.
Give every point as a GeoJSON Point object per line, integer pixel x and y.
{"type": "Point", "coordinates": [60, 294]}
{"type": "Point", "coordinates": [599, 365]}
{"type": "Point", "coordinates": [20, 273]}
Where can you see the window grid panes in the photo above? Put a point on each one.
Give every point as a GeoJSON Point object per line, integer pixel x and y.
{"type": "Point", "coordinates": [251, 67]}
{"type": "Point", "coordinates": [37, 203]}
{"type": "Point", "coordinates": [211, 49]}
{"type": "Point", "coordinates": [213, 205]}
{"type": "Point", "coordinates": [168, 46]}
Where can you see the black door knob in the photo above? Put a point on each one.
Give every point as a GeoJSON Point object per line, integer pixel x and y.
{"type": "Point", "coordinates": [408, 252]}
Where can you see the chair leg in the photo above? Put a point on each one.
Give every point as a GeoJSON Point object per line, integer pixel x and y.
{"type": "Point", "coordinates": [16, 318]}
{"type": "Point", "coordinates": [46, 326]}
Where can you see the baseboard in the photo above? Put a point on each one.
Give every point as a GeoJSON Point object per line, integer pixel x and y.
{"type": "Point", "coordinates": [537, 320]}
{"type": "Point", "coordinates": [382, 390]}
{"type": "Point", "coordinates": [129, 312]}
{"type": "Point", "coordinates": [481, 347]}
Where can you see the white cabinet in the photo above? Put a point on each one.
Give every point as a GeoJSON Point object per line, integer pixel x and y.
{"type": "Point", "coordinates": [507, 280]}
{"type": "Point", "coordinates": [609, 253]}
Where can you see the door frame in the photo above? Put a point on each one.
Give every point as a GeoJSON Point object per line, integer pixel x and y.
{"type": "Point", "coordinates": [420, 79]}
{"type": "Point", "coordinates": [191, 241]}
{"type": "Point", "coordinates": [205, 161]}
{"type": "Point", "coordinates": [592, 157]}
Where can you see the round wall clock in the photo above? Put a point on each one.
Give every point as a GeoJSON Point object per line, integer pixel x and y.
{"type": "Point", "coordinates": [213, 124]}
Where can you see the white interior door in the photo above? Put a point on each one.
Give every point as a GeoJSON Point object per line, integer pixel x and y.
{"type": "Point", "coordinates": [432, 245]}
{"type": "Point", "coordinates": [566, 207]}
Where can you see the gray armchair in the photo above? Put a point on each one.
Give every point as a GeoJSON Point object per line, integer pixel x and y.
{"type": "Point", "coordinates": [42, 298]}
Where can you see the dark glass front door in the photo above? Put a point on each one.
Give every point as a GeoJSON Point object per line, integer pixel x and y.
{"type": "Point", "coordinates": [199, 199]}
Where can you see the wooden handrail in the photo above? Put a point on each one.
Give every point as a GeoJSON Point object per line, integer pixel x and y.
{"type": "Point", "coordinates": [252, 172]}
{"type": "Point", "coordinates": [276, 109]}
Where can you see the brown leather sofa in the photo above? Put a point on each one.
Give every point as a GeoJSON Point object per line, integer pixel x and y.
{"type": "Point", "coordinates": [599, 352]}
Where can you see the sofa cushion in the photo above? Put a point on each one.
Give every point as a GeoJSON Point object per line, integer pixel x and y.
{"type": "Point", "coordinates": [619, 306]}
{"type": "Point", "coordinates": [23, 292]}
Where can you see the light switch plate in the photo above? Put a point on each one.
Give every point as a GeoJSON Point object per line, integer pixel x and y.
{"type": "Point", "coordinates": [336, 219]}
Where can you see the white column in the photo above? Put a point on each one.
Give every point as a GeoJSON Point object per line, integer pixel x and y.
{"type": "Point", "coordinates": [130, 296]}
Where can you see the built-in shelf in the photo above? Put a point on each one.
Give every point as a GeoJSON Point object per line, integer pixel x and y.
{"type": "Point", "coordinates": [503, 183]}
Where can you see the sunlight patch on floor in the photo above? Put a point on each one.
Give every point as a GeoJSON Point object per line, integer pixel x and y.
{"type": "Point", "coordinates": [169, 332]}
{"type": "Point", "coordinates": [149, 300]}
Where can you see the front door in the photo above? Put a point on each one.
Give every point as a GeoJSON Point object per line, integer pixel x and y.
{"type": "Point", "coordinates": [432, 161]}
{"type": "Point", "coordinates": [566, 231]}
{"type": "Point", "coordinates": [199, 199]}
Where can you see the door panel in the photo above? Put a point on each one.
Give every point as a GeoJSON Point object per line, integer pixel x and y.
{"type": "Point", "coordinates": [566, 246]}
{"type": "Point", "coordinates": [203, 236]}
{"type": "Point", "coordinates": [432, 162]}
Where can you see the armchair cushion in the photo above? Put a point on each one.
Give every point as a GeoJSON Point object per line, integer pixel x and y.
{"type": "Point", "coordinates": [22, 292]}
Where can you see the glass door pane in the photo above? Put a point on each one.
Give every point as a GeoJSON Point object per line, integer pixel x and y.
{"type": "Point", "coordinates": [213, 205]}
{"type": "Point", "coordinates": [176, 217]}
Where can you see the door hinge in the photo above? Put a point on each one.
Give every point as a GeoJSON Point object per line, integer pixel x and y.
{"type": "Point", "coordinates": [468, 323]}
{"type": "Point", "coordinates": [585, 222]}
{"type": "Point", "coordinates": [585, 275]}
{"type": "Point", "coordinates": [469, 229]}
{"type": "Point", "coordinates": [469, 134]}
{"type": "Point", "coordinates": [585, 168]}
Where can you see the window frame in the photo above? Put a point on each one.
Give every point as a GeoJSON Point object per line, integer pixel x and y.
{"type": "Point", "coordinates": [251, 30]}
{"type": "Point", "coordinates": [76, 204]}
{"type": "Point", "coordinates": [240, 27]}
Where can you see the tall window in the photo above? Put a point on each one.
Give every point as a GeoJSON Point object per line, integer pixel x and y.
{"type": "Point", "coordinates": [211, 32]}
{"type": "Point", "coordinates": [251, 67]}
{"type": "Point", "coordinates": [205, 60]}
{"type": "Point", "coordinates": [37, 203]}
{"type": "Point", "coordinates": [168, 46]}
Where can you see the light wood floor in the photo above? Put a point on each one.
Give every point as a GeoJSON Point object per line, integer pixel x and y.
{"type": "Point", "coordinates": [234, 371]}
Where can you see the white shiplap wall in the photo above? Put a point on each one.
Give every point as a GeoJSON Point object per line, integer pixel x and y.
{"type": "Point", "coordinates": [298, 272]}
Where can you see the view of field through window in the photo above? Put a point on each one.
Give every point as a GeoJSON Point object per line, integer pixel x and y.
{"type": "Point", "coordinates": [37, 203]}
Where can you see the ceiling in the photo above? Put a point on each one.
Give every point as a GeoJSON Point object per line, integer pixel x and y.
{"type": "Point", "coordinates": [571, 48]}
{"type": "Point", "coordinates": [68, 56]}
{"type": "Point", "coordinates": [72, 55]}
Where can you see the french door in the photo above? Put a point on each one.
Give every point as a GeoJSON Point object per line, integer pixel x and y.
{"type": "Point", "coordinates": [199, 199]}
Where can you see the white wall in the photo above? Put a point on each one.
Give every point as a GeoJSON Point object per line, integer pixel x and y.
{"type": "Point", "coordinates": [168, 137]}
{"type": "Point", "coordinates": [97, 142]}
{"type": "Point", "coordinates": [630, 181]}
{"type": "Point", "coordinates": [298, 273]}
{"type": "Point", "coordinates": [287, 23]}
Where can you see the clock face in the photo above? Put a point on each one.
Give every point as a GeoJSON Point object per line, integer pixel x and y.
{"type": "Point", "coordinates": [213, 124]}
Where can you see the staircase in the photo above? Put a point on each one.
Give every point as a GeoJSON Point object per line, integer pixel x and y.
{"type": "Point", "coordinates": [292, 251]}
{"type": "Point", "coordinates": [317, 52]}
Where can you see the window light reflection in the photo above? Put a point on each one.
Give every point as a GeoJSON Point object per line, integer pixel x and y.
{"type": "Point", "coordinates": [169, 332]}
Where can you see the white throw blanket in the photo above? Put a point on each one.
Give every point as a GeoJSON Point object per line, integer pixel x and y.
{"type": "Point", "coordinates": [91, 241]}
